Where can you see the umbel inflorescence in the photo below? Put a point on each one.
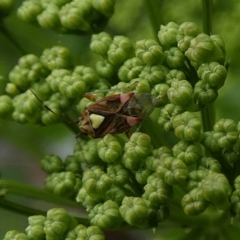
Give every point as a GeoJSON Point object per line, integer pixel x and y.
{"type": "Point", "coordinates": [130, 182]}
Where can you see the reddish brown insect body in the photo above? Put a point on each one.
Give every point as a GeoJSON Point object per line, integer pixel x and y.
{"type": "Point", "coordinates": [115, 114]}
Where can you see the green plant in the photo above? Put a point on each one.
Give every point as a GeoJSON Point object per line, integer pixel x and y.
{"type": "Point", "coordinates": [180, 168]}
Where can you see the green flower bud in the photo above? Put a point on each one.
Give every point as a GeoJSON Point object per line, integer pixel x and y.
{"type": "Point", "coordinates": [49, 18]}
{"type": "Point", "coordinates": [219, 43]}
{"type": "Point", "coordinates": [6, 106]}
{"type": "Point", "coordinates": [235, 202]}
{"type": "Point", "coordinates": [134, 211]}
{"type": "Point", "coordinates": [187, 126]}
{"type": "Point", "coordinates": [174, 74]}
{"type": "Point", "coordinates": [194, 203]}
{"type": "Point", "coordinates": [62, 183]}
{"type": "Point", "coordinates": [96, 183]}
{"type": "Point", "coordinates": [237, 183]}
{"type": "Point", "coordinates": [58, 3]}
{"type": "Point", "coordinates": [228, 128]}
{"type": "Point", "coordinates": [58, 223]}
{"type": "Point", "coordinates": [156, 190]}
{"type": "Point", "coordinates": [154, 74]}
{"type": "Point", "coordinates": [120, 50]}
{"type": "Point", "coordinates": [189, 153]}
{"type": "Point", "coordinates": [172, 170]}
{"type": "Point", "coordinates": [12, 89]}
{"type": "Point", "coordinates": [86, 151]}
{"type": "Point", "coordinates": [167, 35]}
{"type": "Point", "coordinates": [87, 74]}
{"type": "Point", "coordinates": [213, 73]}
{"type": "Point", "coordinates": [186, 32]}
{"type": "Point", "coordinates": [100, 43]}
{"type": "Point", "coordinates": [204, 93]}
{"type": "Point", "coordinates": [160, 92]}
{"type": "Point", "coordinates": [106, 69]}
{"type": "Point", "coordinates": [73, 15]}
{"type": "Point", "coordinates": [230, 156]}
{"type": "Point", "coordinates": [72, 86]}
{"type": "Point", "coordinates": [35, 229]}
{"type": "Point", "coordinates": [87, 202]}
{"type": "Point", "coordinates": [195, 178]}
{"type": "Point", "coordinates": [130, 69]}
{"type": "Point", "coordinates": [109, 149]}
{"type": "Point", "coordinates": [26, 108]}
{"type": "Point", "coordinates": [202, 49]}
{"type": "Point", "coordinates": [166, 114]}
{"type": "Point", "coordinates": [142, 176]}
{"type": "Point", "coordinates": [6, 7]}
{"type": "Point", "coordinates": [136, 150]}
{"type": "Point", "coordinates": [51, 163]}
{"type": "Point", "coordinates": [142, 85]}
{"type": "Point", "coordinates": [72, 164]}
{"type": "Point", "coordinates": [49, 117]}
{"type": "Point", "coordinates": [149, 51]}
{"type": "Point", "coordinates": [180, 93]}
{"type": "Point", "coordinates": [42, 90]}
{"type": "Point", "coordinates": [15, 235]}
{"type": "Point", "coordinates": [106, 216]}
{"type": "Point", "coordinates": [55, 78]}
{"type": "Point", "coordinates": [117, 194]}
{"type": "Point", "coordinates": [56, 57]}
{"type": "Point", "coordinates": [82, 232]}
{"type": "Point", "coordinates": [77, 232]}
{"type": "Point", "coordinates": [28, 71]}
{"type": "Point", "coordinates": [29, 10]}
{"type": "Point", "coordinates": [216, 189]}
{"type": "Point", "coordinates": [210, 141]}
{"type": "Point", "coordinates": [211, 164]}
{"type": "Point", "coordinates": [162, 152]}
{"type": "Point", "coordinates": [154, 161]}
{"type": "Point", "coordinates": [118, 173]}
{"type": "Point", "coordinates": [104, 7]}
{"type": "Point", "coordinates": [174, 58]}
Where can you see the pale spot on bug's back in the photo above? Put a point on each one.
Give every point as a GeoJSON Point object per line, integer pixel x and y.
{"type": "Point", "coordinates": [96, 120]}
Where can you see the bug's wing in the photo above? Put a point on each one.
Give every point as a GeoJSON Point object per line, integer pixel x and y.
{"type": "Point", "coordinates": [110, 105]}
{"type": "Point", "coordinates": [115, 124]}
{"type": "Point", "coordinates": [140, 105]}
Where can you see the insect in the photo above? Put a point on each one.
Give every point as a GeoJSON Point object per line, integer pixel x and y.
{"type": "Point", "coordinates": [115, 114]}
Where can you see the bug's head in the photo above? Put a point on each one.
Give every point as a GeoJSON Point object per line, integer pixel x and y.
{"type": "Point", "coordinates": [88, 123]}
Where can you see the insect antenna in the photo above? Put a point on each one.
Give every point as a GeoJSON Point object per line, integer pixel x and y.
{"type": "Point", "coordinates": [70, 124]}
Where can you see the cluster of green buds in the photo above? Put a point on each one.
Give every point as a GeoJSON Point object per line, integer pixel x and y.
{"type": "Point", "coordinates": [67, 16]}
{"type": "Point", "coordinates": [127, 182]}
{"type": "Point", "coordinates": [57, 224]}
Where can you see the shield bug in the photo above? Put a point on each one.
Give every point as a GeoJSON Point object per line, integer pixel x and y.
{"type": "Point", "coordinates": [115, 114]}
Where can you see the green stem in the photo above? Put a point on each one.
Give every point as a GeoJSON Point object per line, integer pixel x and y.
{"type": "Point", "coordinates": [20, 209]}
{"type": "Point", "coordinates": [154, 14]}
{"type": "Point", "coordinates": [207, 16]}
{"type": "Point", "coordinates": [25, 190]}
{"type": "Point", "coordinates": [208, 114]}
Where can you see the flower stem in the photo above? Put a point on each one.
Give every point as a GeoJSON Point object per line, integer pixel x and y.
{"type": "Point", "coordinates": [25, 190]}
{"type": "Point", "coordinates": [153, 10]}
{"type": "Point", "coordinates": [208, 114]}
{"type": "Point", "coordinates": [207, 16]}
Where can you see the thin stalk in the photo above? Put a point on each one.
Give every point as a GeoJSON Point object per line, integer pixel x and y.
{"type": "Point", "coordinates": [25, 190]}
{"type": "Point", "coordinates": [153, 11]}
{"type": "Point", "coordinates": [208, 113]}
